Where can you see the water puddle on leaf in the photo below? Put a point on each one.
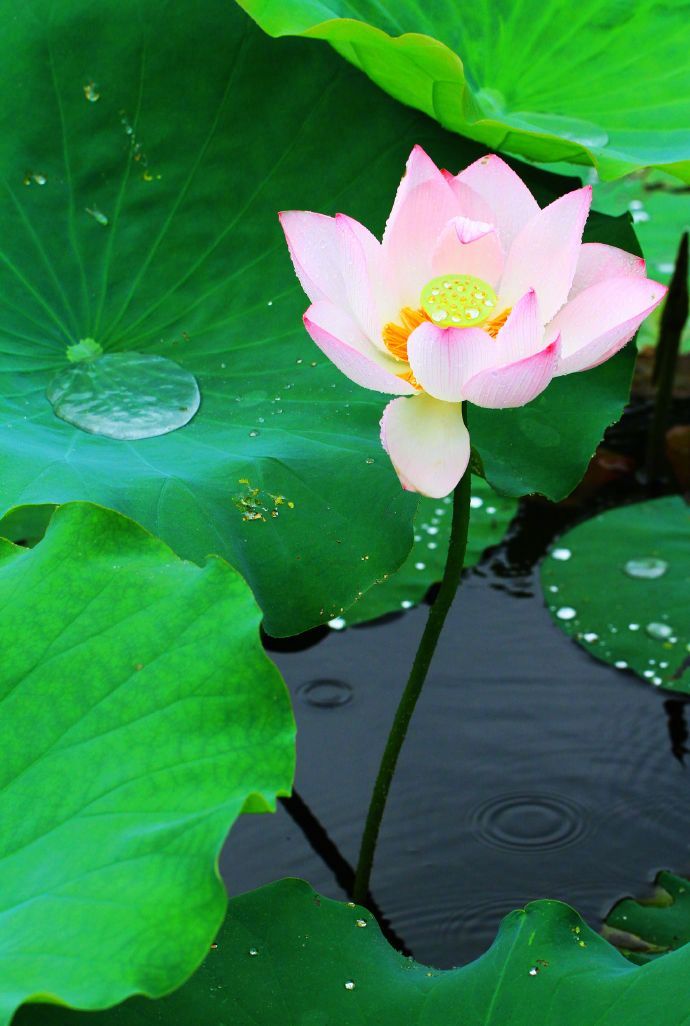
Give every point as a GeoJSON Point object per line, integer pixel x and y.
{"type": "Point", "coordinates": [125, 395]}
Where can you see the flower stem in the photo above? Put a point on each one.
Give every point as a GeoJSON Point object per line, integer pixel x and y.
{"type": "Point", "coordinates": [415, 683]}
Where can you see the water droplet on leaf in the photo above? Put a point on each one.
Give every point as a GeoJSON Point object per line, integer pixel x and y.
{"type": "Point", "coordinates": [124, 395]}
{"type": "Point", "coordinates": [647, 569]}
{"type": "Point", "coordinates": [97, 215]}
{"type": "Point", "coordinates": [659, 631]}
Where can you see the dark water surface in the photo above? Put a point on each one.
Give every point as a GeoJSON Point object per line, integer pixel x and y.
{"type": "Point", "coordinates": [530, 770]}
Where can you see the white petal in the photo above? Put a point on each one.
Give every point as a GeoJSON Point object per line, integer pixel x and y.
{"type": "Point", "coordinates": [427, 442]}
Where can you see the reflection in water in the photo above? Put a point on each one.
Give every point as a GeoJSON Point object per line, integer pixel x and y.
{"type": "Point", "coordinates": [529, 770]}
{"type": "Point", "coordinates": [677, 727]}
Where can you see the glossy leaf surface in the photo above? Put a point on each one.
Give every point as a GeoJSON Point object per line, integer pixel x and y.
{"type": "Point", "coordinates": [140, 717]}
{"type": "Point", "coordinates": [606, 84]}
{"type": "Point", "coordinates": [287, 955]}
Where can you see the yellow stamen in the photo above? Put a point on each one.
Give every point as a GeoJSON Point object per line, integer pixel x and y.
{"type": "Point", "coordinates": [493, 326]}
{"type": "Point", "coordinates": [409, 376]}
{"type": "Point", "coordinates": [395, 336]}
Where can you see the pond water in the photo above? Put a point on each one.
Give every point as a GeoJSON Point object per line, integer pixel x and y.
{"type": "Point", "coordinates": [530, 770]}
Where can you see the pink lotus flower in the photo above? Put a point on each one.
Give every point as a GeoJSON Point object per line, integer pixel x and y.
{"type": "Point", "coordinates": [475, 294]}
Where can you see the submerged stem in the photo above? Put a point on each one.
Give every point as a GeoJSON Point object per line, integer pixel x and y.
{"type": "Point", "coordinates": [415, 683]}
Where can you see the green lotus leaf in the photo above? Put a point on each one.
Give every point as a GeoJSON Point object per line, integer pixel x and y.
{"type": "Point", "coordinates": [490, 516]}
{"type": "Point", "coordinates": [140, 717]}
{"type": "Point", "coordinates": [139, 217]}
{"type": "Point", "coordinates": [619, 585]}
{"type": "Point", "coordinates": [647, 928]}
{"type": "Point", "coordinates": [606, 84]}
{"type": "Point", "coordinates": [288, 955]}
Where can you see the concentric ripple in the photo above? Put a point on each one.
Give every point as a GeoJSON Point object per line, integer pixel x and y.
{"type": "Point", "coordinates": [529, 822]}
{"type": "Point", "coordinates": [326, 693]}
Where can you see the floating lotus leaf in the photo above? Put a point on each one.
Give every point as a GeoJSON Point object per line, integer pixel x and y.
{"type": "Point", "coordinates": [288, 955]}
{"type": "Point", "coordinates": [619, 585]}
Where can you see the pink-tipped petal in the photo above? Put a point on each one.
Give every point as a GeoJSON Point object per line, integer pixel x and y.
{"type": "Point", "coordinates": [469, 247]}
{"type": "Point", "coordinates": [515, 384]}
{"type": "Point", "coordinates": [511, 202]}
{"type": "Point", "coordinates": [445, 360]}
{"type": "Point", "coordinates": [419, 169]}
{"type": "Point", "coordinates": [423, 206]}
{"type": "Point", "coordinates": [597, 262]}
{"type": "Point", "coordinates": [468, 202]}
{"type": "Point", "coordinates": [316, 251]}
{"type": "Point", "coordinates": [427, 442]}
{"type": "Point", "coordinates": [439, 357]}
{"type": "Point", "coordinates": [340, 338]}
{"type": "Point", "coordinates": [544, 255]}
{"type": "Point", "coordinates": [599, 321]}
{"type": "Point", "coordinates": [368, 294]}
{"type": "Point", "coordinates": [522, 334]}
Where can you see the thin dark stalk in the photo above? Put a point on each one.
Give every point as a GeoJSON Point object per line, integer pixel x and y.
{"type": "Point", "coordinates": [673, 319]}
{"type": "Point", "coordinates": [323, 845]}
{"type": "Point", "coordinates": [415, 683]}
